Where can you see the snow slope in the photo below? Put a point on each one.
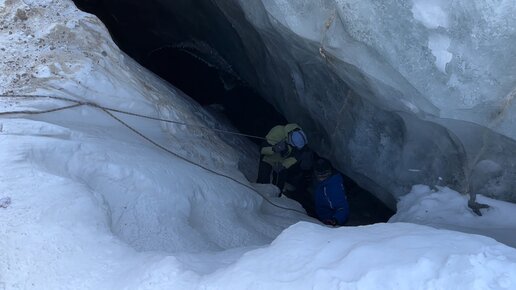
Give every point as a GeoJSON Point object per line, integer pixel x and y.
{"type": "Point", "coordinates": [95, 206]}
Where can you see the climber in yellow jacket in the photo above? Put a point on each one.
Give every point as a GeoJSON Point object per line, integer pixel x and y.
{"type": "Point", "coordinates": [280, 152]}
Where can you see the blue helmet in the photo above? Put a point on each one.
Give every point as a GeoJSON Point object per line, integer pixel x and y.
{"type": "Point", "coordinates": [297, 138]}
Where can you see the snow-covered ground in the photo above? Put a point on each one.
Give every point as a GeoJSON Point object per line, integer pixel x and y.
{"type": "Point", "coordinates": [445, 208]}
{"type": "Point", "coordinates": [85, 203]}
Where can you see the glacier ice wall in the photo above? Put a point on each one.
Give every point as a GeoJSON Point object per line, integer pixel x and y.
{"type": "Point", "coordinates": [396, 92]}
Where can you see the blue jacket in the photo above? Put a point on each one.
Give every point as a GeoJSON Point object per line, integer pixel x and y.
{"type": "Point", "coordinates": [330, 200]}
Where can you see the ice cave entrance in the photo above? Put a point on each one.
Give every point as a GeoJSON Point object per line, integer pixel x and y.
{"type": "Point", "coordinates": [188, 68]}
{"type": "Point", "coordinates": [249, 113]}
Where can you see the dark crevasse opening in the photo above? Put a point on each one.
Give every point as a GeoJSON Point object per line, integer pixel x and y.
{"type": "Point", "coordinates": [246, 110]}
{"type": "Point", "coordinates": [241, 105]}
{"type": "Point", "coordinates": [193, 76]}
{"type": "Point", "coordinates": [203, 77]}
{"type": "Point", "coordinates": [137, 28]}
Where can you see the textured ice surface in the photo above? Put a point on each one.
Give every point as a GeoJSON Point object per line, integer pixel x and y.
{"type": "Point", "coordinates": [396, 92]}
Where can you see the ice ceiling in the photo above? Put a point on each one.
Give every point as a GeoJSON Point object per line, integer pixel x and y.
{"type": "Point", "coordinates": [395, 92]}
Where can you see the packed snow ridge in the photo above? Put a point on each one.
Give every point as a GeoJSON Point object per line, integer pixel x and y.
{"type": "Point", "coordinates": [85, 203]}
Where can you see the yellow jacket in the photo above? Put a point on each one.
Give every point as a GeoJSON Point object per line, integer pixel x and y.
{"type": "Point", "coordinates": [277, 134]}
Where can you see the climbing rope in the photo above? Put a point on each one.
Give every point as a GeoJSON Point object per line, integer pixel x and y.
{"type": "Point", "coordinates": [189, 125]}
{"type": "Point", "coordinates": [109, 111]}
{"type": "Point", "coordinates": [28, 112]}
{"type": "Point", "coordinates": [132, 114]}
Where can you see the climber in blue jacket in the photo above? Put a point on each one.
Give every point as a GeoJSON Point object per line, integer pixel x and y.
{"type": "Point", "coordinates": [331, 205]}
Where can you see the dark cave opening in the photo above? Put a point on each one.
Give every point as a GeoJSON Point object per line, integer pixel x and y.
{"type": "Point", "coordinates": [243, 106]}
{"type": "Point", "coordinates": [133, 31]}
{"type": "Point", "coordinates": [192, 76]}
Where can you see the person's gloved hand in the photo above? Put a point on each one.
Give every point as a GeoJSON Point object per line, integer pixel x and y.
{"type": "Point", "coordinates": [281, 148]}
{"type": "Point", "coordinates": [278, 167]}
